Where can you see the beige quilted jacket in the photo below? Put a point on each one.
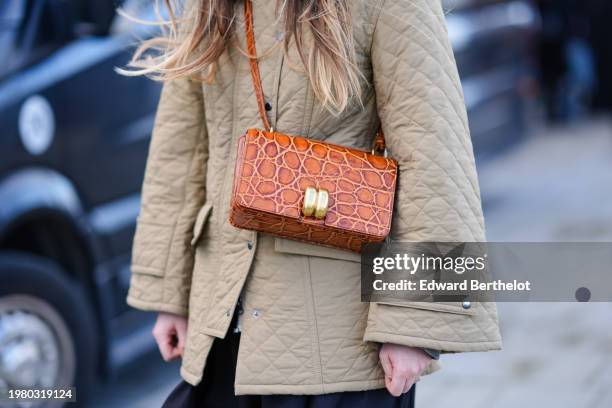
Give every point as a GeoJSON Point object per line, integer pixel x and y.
{"type": "Point", "coordinates": [304, 329]}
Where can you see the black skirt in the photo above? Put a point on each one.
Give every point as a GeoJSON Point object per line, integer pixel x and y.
{"type": "Point", "coordinates": [217, 389]}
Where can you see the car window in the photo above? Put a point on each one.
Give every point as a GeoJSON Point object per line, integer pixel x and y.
{"type": "Point", "coordinates": [30, 31]}
{"type": "Point", "coordinates": [11, 18]}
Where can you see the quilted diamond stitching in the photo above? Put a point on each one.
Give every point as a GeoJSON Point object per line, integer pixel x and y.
{"type": "Point", "coordinates": [439, 195]}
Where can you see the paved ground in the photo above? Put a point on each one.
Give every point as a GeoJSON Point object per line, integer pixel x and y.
{"type": "Point", "coordinates": [143, 385]}
{"type": "Point", "coordinates": [554, 187]}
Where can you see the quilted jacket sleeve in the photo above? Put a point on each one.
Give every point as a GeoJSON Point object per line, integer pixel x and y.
{"type": "Point", "coordinates": [422, 112]}
{"type": "Point", "coordinates": [172, 193]}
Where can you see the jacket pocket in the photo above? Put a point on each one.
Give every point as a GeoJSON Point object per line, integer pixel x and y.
{"type": "Point", "coordinates": [289, 246]}
{"type": "Point", "coordinates": [200, 222]}
{"type": "Point", "coordinates": [445, 307]}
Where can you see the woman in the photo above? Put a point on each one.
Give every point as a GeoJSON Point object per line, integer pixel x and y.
{"type": "Point", "coordinates": [334, 71]}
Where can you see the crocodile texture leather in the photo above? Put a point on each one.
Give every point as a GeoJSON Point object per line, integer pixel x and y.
{"type": "Point", "coordinates": [273, 170]}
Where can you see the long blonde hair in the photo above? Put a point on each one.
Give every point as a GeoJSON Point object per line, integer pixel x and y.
{"type": "Point", "coordinates": [194, 38]}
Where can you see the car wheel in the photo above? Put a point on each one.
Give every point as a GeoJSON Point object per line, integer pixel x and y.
{"type": "Point", "coordinates": [47, 327]}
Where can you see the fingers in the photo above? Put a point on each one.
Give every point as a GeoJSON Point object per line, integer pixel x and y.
{"type": "Point", "coordinates": [175, 352]}
{"type": "Point", "coordinates": [400, 382]}
{"type": "Point", "coordinates": [385, 361]}
{"type": "Point", "coordinates": [181, 334]}
{"type": "Point", "coordinates": [169, 333]}
{"type": "Point", "coordinates": [395, 384]}
{"type": "Point", "coordinates": [165, 343]}
{"type": "Point", "coordinates": [394, 381]}
{"type": "Point", "coordinates": [407, 385]}
{"type": "Point", "coordinates": [402, 366]}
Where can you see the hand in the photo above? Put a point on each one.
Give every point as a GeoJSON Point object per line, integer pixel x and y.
{"type": "Point", "coordinates": [170, 331]}
{"type": "Point", "coordinates": [402, 365]}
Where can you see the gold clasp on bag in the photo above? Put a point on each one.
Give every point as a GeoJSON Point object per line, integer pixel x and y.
{"type": "Point", "coordinates": [315, 202]}
{"type": "Point", "coordinates": [310, 201]}
{"type": "Point", "coordinates": [322, 202]}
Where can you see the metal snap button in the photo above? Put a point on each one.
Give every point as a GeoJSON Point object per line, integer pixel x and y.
{"type": "Point", "coordinates": [250, 244]}
{"type": "Point", "coordinates": [255, 313]}
{"type": "Point", "coordinates": [466, 305]}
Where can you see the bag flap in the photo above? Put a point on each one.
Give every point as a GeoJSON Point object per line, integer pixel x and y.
{"type": "Point", "coordinates": [273, 170]}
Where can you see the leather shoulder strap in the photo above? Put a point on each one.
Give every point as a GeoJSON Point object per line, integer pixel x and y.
{"type": "Point", "coordinates": [379, 141]}
{"type": "Point", "coordinates": [250, 40]}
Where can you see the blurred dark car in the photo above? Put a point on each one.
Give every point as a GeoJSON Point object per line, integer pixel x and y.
{"type": "Point", "coordinates": [73, 145]}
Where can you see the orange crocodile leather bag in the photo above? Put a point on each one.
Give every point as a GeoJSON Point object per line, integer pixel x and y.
{"type": "Point", "coordinates": [308, 190]}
